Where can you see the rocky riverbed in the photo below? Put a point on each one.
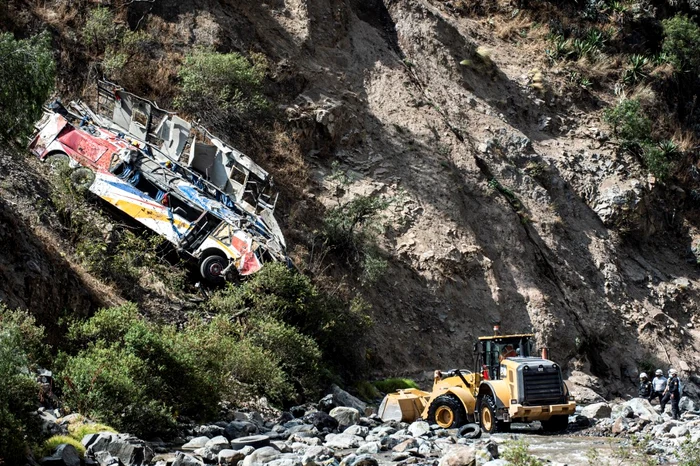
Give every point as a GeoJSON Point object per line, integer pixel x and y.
{"type": "Point", "coordinates": [341, 431]}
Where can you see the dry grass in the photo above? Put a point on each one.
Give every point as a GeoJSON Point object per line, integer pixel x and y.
{"type": "Point", "coordinates": [646, 95]}
{"type": "Point", "coordinates": [686, 141]}
{"type": "Point", "coordinates": [517, 27]}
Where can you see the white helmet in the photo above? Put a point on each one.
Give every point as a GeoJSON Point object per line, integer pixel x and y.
{"type": "Point", "coordinates": [672, 372]}
{"type": "Point", "coordinates": [643, 375]}
{"type": "Point", "coordinates": [659, 372]}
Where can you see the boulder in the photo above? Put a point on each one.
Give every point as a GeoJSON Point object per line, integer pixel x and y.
{"type": "Point", "coordinates": [409, 444]}
{"type": "Point", "coordinates": [65, 455]}
{"type": "Point", "coordinates": [359, 460]}
{"type": "Point", "coordinates": [183, 459]}
{"type": "Point", "coordinates": [208, 431]}
{"type": "Point", "coordinates": [261, 456]}
{"type": "Point", "coordinates": [388, 443]}
{"type": "Point", "coordinates": [419, 428]}
{"type": "Point", "coordinates": [686, 404]}
{"type": "Point", "coordinates": [104, 458]}
{"type": "Point", "coordinates": [298, 411]}
{"type": "Point", "coordinates": [498, 462]}
{"type": "Point", "coordinates": [217, 444]}
{"type": "Point", "coordinates": [227, 456]}
{"type": "Point", "coordinates": [327, 403]}
{"type": "Point", "coordinates": [316, 453]}
{"type": "Point", "coordinates": [679, 431]}
{"type": "Point", "coordinates": [321, 420]}
{"type": "Point", "coordinates": [129, 450]}
{"type": "Point", "coordinates": [357, 430]}
{"type": "Point", "coordinates": [343, 441]}
{"type": "Point", "coordinates": [597, 411]}
{"type": "Point", "coordinates": [643, 409]}
{"type": "Point", "coordinates": [459, 456]}
{"type": "Point", "coordinates": [237, 429]}
{"type": "Point", "coordinates": [620, 425]}
{"type": "Point", "coordinates": [345, 416]}
{"type": "Point", "coordinates": [369, 448]}
{"type": "Point", "coordinates": [343, 398]}
{"type": "Point", "coordinates": [197, 442]}
{"type": "Point", "coordinates": [287, 461]}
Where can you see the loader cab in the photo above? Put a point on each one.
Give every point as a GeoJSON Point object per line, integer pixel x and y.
{"type": "Point", "coordinates": [491, 351]}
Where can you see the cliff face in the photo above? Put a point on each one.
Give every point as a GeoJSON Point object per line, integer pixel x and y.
{"type": "Point", "coordinates": [512, 203]}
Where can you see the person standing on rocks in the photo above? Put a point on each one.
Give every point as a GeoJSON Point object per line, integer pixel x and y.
{"type": "Point", "coordinates": [673, 392]}
{"type": "Point", "coordinates": [644, 386]}
{"type": "Point", "coordinates": [658, 386]}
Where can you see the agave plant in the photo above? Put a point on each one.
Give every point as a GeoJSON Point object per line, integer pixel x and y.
{"type": "Point", "coordinates": [668, 148]}
{"type": "Point", "coordinates": [635, 71]}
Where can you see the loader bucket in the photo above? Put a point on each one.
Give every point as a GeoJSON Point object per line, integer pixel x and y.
{"type": "Point", "coordinates": [404, 405]}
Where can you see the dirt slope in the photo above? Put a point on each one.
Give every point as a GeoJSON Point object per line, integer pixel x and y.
{"type": "Point", "coordinates": [410, 120]}
{"type": "Point", "coordinates": [511, 206]}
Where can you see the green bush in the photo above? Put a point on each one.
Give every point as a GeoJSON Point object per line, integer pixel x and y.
{"type": "Point", "coordinates": [352, 227]}
{"type": "Point", "coordinates": [628, 121]}
{"type": "Point", "coordinates": [658, 158]}
{"type": "Point", "coordinates": [26, 81]}
{"type": "Point", "coordinates": [99, 29]}
{"type": "Point", "coordinates": [367, 391]}
{"type": "Point", "coordinates": [228, 83]}
{"type": "Point", "coordinates": [287, 296]}
{"type": "Point", "coordinates": [393, 384]}
{"type": "Point", "coordinates": [682, 43]}
{"type": "Point", "coordinates": [164, 372]}
{"type": "Point", "coordinates": [21, 348]}
{"type": "Point", "coordinates": [517, 453]}
{"type": "Point", "coordinates": [299, 355]}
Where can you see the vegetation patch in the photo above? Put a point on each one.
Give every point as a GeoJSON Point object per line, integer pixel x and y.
{"type": "Point", "coordinates": [227, 84]}
{"type": "Point", "coordinates": [50, 445]}
{"type": "Point", "coordinates": [20, 350]}
{"type": "Point", "coordinates": [392, 384]}
{"type": "Point", "coordinates": [26, 80]}
{"type": "Point", "coordinates": [351, 228]}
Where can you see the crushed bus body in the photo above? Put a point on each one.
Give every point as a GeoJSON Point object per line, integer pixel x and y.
{"type": "Point", "coordinates": [213, 203]}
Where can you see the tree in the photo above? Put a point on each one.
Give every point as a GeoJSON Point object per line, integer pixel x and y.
{"type": "Point", "coordinates": [26, 81]}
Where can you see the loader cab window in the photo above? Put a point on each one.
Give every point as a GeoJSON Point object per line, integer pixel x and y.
{"type": "Point", "coordinates": [494, 351]}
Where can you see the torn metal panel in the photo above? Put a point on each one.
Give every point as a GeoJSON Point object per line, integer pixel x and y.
{"type": "Point", "coordinates": [210, 200]}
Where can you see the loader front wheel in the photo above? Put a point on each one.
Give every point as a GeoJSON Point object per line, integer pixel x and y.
{"type": "Point", "coordinates": [487, 417]}
{"type": "Point", "coordinates": [447, 412]}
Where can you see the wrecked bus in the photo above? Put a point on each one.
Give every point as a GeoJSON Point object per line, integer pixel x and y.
{"type": "Point", "coordinates": [212, 202]}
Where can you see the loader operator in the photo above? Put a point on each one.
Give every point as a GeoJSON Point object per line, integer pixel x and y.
{"type": "Point", "coordinates": [658, 385]}
{"type": "Point", "coordinates": [644, 386]}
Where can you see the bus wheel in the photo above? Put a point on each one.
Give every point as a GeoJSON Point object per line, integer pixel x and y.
{"type": "Point", "coordinates": [212, 267]}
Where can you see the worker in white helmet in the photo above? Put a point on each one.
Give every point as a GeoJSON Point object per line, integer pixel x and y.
{"type": "Point", "coordinates": [644, 390]}
{"type": "Point", "coordinates": [658, 386]}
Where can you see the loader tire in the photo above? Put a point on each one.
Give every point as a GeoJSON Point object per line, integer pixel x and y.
{"type": "Point", "coordinates": [469, 431]}
{"type": "Point", "coordinates": [487, 417]}
{"type": "Point", "coordinates": [447, 412]}
{"type": "Point", "coordinates": [557, 423]}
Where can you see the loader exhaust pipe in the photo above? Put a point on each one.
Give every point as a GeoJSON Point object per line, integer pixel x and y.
{"type": "Point", "coordinates": [545, 352]}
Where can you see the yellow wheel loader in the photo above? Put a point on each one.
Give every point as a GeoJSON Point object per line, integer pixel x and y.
{"type": "Point", "coordinates": [508, 385]}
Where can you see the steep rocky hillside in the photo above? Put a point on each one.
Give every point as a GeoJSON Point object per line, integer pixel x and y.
{"type": "Point", "coordinates": [511, 200]}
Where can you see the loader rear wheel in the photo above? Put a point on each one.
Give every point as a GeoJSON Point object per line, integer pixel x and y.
{"type": "Point", "coordinates": [447, 412]}
{"type": "Point", "coordinates": [487, 417]}
{"type": "Point", "coordinates": [557, 423]}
